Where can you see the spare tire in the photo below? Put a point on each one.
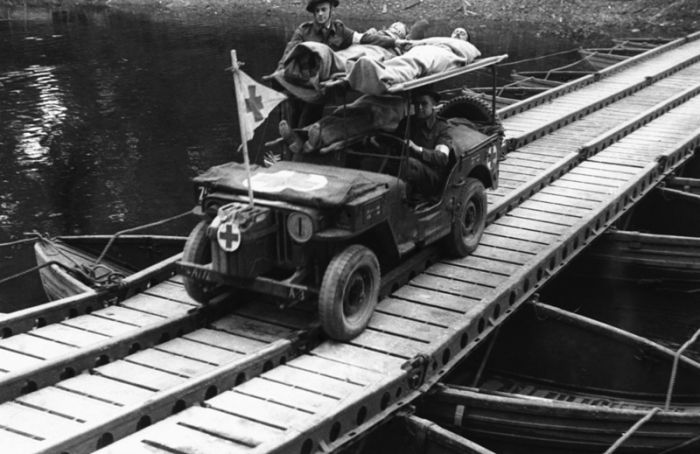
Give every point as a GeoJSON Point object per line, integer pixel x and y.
{"type": "Point", "coordinates": [475, 110]}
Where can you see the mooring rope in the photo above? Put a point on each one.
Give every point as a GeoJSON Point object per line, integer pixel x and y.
{"type": "Point", "coordinates": [88, 273]}
{"type": "Point", "coordinates": [135, 229]}
{"type": "Point", "coordinates": [525, 60]}
{"type": "Point", "coordinates": [632, 430]}
{"type": "Point", "coordinates": [674, 370]}
{"type": "Point", "coordinates": [686, 443]}
{"type": "Point", "coordinates": [13, 243]}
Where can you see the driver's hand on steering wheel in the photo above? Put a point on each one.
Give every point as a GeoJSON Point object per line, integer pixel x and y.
{"type": "Point", "coordinates": [415, 149]}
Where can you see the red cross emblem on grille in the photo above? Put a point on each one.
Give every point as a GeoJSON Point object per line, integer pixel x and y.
{"type": "Point", "coordinates": [228, 236]}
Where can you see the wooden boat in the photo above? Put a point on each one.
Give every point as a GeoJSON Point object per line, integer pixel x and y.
{"type": "Point", "coordinates": [645, 257]}
{"type": "Point", "coordinates": [646, 42]}
{"type": "Point", "coordinates": [546, 79]}
{"type": "Point", "coordinates": [658, 242]}
{"type": "Point", "coordinates": [508, 94]}
{"type": "Point", "coordinates": [555, 75]}
{"type": "Point", "coordinates": [602, 57]}
{"type": "Point", "coordinates": [554, 381]}
{"type": "Point", "coordinates": [74, 271]}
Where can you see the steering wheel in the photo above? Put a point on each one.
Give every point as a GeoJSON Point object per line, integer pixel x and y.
{"type": "Point", "coordinates": [376, 144]}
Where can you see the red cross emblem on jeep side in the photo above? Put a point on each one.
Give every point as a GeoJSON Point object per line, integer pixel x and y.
{"type": "Point", "coordinates": [228, 235]}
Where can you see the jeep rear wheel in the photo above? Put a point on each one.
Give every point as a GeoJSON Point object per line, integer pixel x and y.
{"type": "Point", "coordinates": [469, 221]}
{"type": "Point", "coordinates": [197, 250]}
{"type": "Point", "coordinates": [349, 292]}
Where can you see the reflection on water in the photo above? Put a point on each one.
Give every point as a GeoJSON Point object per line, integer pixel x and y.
{"type": "Point", "coordinates": [106, 114]}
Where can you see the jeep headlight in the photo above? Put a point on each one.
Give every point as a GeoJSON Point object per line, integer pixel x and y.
{"type": "Point", "coordinates": [300, 227]}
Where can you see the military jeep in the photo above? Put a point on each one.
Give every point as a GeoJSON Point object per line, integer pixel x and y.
{"type": "Point", "coordinates": [325, 229]}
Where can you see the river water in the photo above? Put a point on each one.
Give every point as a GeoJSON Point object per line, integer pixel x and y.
{"type": "Point", "coordinates": [106, 115]}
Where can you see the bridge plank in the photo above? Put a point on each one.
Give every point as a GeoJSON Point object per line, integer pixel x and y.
{"type": "Point", "coordinates": [99, 325]}
{"type": "Point", "coordinates": [169, 362]}
{"type": "Point", "coordinates": [129, 316]}
{"type": "Point", "coordinates": [196, 350]}
{"type": "Point", "coordinates": [262, 331]}
{"type": "Point", "coordinates": [595, 180]}
{"type": "Point", "coordinates": [225, 340]}
{"type": "Point", "coordinates": [562, 191]}
{"type": "Point", "coordinates": [467, 274]}
{"type": "Point", "coordinates": [543, 225]}
{"type": "Point", "coordinates": [534, 207]}
{"type": "Point", "coordinates": [491, 265]}
{"type": "Point", "coordinates": [67, 403]}
{"type": "Point", "coordinates": [434, 298]}
{"type": "Point", "coordinates": [69, 335]}
{"type": "Point", "coordinates": [341, 371]}
{"type": "Point", "coordinates": [244, 431]}
{"type": "Point", "coordinates": [471, 290]}
{"type": "Point", "coordinates": [106, 389]}
{"type": "Point", "coordinates": [606, 169]}
{"type": "Point", "coordinates": [291, 318]}
{"type": "Point", "coordinates": [36, 346]}
{"type": "Point", "coordinates": [417, 312]}
{"type": "Point", "coordinates": [286, 394]}
{"type": "Point", "coordinates": [400, 326]}
{"type": "Point", "coordinates": [139, 375]}
{"type": "Point", "coordinates": [502, 228]}
{"type": "Point", "coordinates": [496, 240]}
{"type": "Point", "coordinates": [504, 255]}
{"type": "Point", "coordinates": [526, 162]}
{"type": "Point", "coordinates": [389, 344]}
{"type": "Point", "coordinates": [173, 290]}
{"type": "Point", "coordinates": [566, 201]}
{"type": "Point", "coordinates": [263, 411]}
{"type": "Point", "coordinates": [12, 361]}
{"type": "Point", "coordinates": [313, 382]}
{"type": "Point", "coordinates": [590, 189]}
{"type": "Point", "coordinates": [157, 306]}
{"type": "Point", "coordinates": [35, 422]}
{"type": "Point", "coordinates": [544, 217]}
{"type": "Point", "coordinates": [17, 443]}
{"type": "Point", "coordinates": [176, 438]}
{"type": "Point", "coordinates": [358, 356]}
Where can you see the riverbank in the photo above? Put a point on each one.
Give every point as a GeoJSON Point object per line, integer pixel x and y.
{"type": "Point", "coordinates": [569, 18]}
{"type": "Point", "coordinates": [564, 18]}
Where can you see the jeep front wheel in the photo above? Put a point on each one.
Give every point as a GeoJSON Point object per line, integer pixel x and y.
{"type": "Point", "coordinates": [469, 221]}
{"type": "Point", "coordinates": [349, 292]}
{"type": "Point", "coordinates": [197, 250]}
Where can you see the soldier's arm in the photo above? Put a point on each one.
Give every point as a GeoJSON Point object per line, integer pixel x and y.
{"type": "Point", "coordinates": [439, 156]}
{"type": "Point", "coordinates": [378, 40]}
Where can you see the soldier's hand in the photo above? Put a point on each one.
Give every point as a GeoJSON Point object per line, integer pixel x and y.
{"type": "Point", "coordinates": [415, 149]}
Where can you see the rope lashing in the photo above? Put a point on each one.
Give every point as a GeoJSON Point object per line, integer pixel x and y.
{"type": "Point", "coordinates": [632, 430]}
{"type": "Point", "coordinates": [135, 229]}
{"type": "Point", "coordinates": [674, 370]}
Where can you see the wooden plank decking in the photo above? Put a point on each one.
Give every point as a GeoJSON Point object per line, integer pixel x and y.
{"type": "Point", "coordinates": [578, 168]}
{"type": "Point", "coordinates": [325, 398]}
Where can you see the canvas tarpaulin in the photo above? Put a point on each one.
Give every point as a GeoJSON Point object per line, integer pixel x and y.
{"type": "Point", "coordinates": [297, 182]}
{"type": "Point", "coordinates": [425, 57]}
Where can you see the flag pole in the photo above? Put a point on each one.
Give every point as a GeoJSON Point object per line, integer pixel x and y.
{"type": "Point", "coordinates": [241, 123]}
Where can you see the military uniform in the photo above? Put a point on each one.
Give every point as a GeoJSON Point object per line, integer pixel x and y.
{"type": "Point", "coordinates": [427, 170]}
{"type": "Point", "coordinates": [336, 36]}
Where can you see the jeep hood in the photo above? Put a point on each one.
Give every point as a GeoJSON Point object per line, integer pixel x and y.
{"type": "Point", "coordinates": [305, 184]}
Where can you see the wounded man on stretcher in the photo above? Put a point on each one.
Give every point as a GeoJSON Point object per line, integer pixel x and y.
{"type": "Point", "coordinates": [370, 69]}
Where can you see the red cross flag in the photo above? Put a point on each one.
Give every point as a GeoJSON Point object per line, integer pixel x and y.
{"type": "Point", "coordinates": [258, 102]}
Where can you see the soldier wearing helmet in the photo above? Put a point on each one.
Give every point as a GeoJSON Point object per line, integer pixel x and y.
{"type": "Point", "coordinates": [323, 29]}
